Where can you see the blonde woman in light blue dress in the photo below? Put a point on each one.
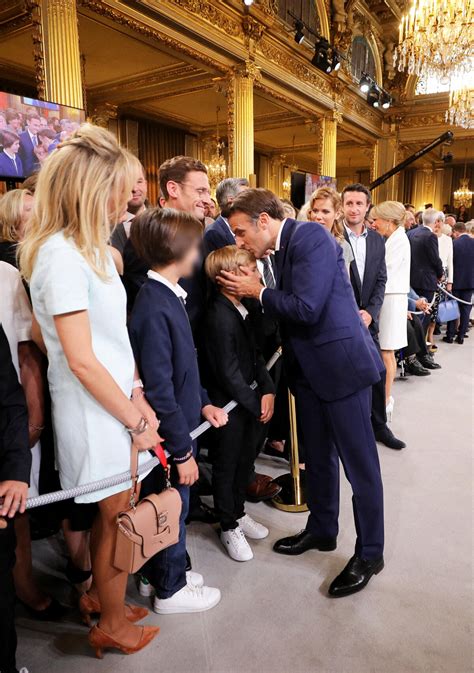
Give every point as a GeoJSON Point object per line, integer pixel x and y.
{"type": "Point", "coordinates": [79, 304]}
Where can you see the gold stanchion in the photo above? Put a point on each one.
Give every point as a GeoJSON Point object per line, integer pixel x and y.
{"type": "Point", "coordinates": [291, 497]}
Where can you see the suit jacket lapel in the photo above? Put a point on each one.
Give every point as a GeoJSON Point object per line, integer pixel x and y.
{"type": "Point", "coordinates": [280, 256]}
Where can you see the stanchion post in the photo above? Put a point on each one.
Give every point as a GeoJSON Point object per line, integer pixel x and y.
{"type": "Point", "coordinates": [291, 498]}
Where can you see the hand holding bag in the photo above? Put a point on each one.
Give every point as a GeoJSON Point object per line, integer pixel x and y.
{"type": "Point", "coordinates": [150, 525]}
{"type": "Point", "coordinates": [448, 310]}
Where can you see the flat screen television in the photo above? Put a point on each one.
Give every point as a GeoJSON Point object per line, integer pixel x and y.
{"type": "Point", "coordinates": [30, 130]}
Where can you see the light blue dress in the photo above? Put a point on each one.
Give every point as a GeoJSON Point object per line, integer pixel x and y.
{"type": "Point", "coordinates": [91, 444]}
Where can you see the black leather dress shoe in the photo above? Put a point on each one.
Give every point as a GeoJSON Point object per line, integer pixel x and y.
{"type": "Point", "coordinates": [303, 541]}
{"type": "Point", "coordinates": [447, 340]}
{"type": "Point", "coordinates": [386, 436]}
{"type": "Point", "coordinates": [459, 340]}
{"type": "Point", "coordinates": [416, 368]}
{"type": "Point", "coordinates": [355, 576]}
{"type": "Point", "coordinates": [202, 513]}
{"type": "Point", "coordinates": [427, 361]}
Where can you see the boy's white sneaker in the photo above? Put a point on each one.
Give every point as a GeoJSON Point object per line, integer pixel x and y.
{"type": "Point", "coordinates": [188, 599]}
{"type": "Point", "coordinates": [253, 529]}
{"type": "Point", "coordinates": [236, 545]}
{"type": "Point", "coordinates": [147, 590]}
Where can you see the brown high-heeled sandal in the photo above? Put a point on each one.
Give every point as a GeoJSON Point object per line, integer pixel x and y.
{"type": "Point", "coordinates": [89, 606]}
{"type": "Point", "coordinates": [100, 640]}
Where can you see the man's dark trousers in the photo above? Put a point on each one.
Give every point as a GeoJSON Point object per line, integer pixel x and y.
{"type": "Point", "coordinates": [8, 638]}
{"type": "Point", "coordinates": [341, 430]}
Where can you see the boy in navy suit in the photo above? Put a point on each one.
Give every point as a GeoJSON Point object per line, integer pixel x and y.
{"type": "Point", "coordinates": [233, 363]}
{"type": "Point", "coordinates": [160, 333]}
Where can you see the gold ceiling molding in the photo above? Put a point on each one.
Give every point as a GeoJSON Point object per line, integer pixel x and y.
{"type": "Point", "coordinates": [211, 13]}
{"type": "Point", "coordinates": [307, 110]}
{"type": "Point", "coordinates": [15, 25]}
{"type": "Point", "coordinates": [173, 73]}
{"type": "Point", "coordinates": [425, 120]}
{"type": "Point", "coordinates": [115, 15]}
{"type": "Point", "coordinates": [295, 66]}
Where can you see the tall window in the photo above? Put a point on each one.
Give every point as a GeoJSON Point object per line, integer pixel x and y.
{"type": "Point", "coordinates": [362, 58]}
{"type": "Point", "coordinates": [303, 9]}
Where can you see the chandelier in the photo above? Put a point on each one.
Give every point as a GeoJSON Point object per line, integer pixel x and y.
{"type": "Point", "coordinates": [463, 195]}
{"type": "Point", "coordinates": [437, 38]}
{"type": "Point", "coordinates": [461, 104]}
{"type": "Point", "coordinates": [216, 167]}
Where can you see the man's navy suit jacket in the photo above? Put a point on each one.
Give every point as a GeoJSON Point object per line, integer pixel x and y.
{"type": "Point", "coordinates": [463, 263]}
{"type": "Point", "coordinates": [26, 152]}
{"type": "Point", "coordinates": [165, 354]}
{"type": "Point", "coordinates": [322, 331]}
{"type": "Point", "coordinates": [369, 294]}
{"type": "Point", "coordinates": [426, 266]}
{"type": "Point", "coordinates": [7, 168]}
{"type": "Point", "coordinates": [217, 235]}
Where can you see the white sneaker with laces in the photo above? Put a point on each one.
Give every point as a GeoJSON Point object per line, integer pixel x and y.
{"type": "Point", "coordinates": [253, 529]}
{"type": "Point", "coordinates": [236, 545]}
{"type": "Point", "coordinates": [190, 598]}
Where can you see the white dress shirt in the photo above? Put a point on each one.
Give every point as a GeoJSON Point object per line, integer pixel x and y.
{"type": "Point", "coordinates": [445, 246]}
{"type": "Point", "coordinates": [242, 310]}
{"type": "Point", "coordinates": [359, 248]}
{"type": "Point", "coordinates": [177, 289]}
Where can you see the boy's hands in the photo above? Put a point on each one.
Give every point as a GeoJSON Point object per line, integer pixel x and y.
{"type": "Point", "coordinates": [14, 495]}
{"type": "Point", "coordinates": [267, 404]}
{"type": "Point", "coordinates": [216, 416]}
{"type": "Point", "coordinates": [188, 472]}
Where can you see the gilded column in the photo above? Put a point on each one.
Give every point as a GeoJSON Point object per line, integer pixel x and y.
{"type": "Point", "coordinates": [240, 121]}
{"type": "Point", "coordinates": [328, 143]}
{"type": "Point", "coordinates": [56, 51]}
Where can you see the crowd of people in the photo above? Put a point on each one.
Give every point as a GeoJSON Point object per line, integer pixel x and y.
{"type": "Point", "coordinates": [27, 138]}
{"type": "Point", "coordinates": [124, 324]}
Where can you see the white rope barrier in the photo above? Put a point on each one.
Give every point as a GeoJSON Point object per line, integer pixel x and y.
{"type": "Point", "coordinates": [440, 287]}
{"type": "Point", "coordinates": [58, 496]}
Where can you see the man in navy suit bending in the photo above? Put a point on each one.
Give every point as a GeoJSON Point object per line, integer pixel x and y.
{"type": "Point", "coordinates": [331, 363]}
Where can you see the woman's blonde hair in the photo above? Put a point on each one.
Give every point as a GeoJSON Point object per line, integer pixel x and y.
{"type": "Point", "coordinates": [78, 185]}
{"type": "Point", "coordinates": [11, 209]}
{"type": "Point", "coordinates": [335, 198]}
{"type": "Point", "coordinates": [394, 211]}
{"type": "Point", "coordinates": [230, 258]}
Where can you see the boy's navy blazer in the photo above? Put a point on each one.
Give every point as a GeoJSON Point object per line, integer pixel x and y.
{"type": "Point", "coordinates": [320, 323]}
{"type": "Point", "coordinates": [217, 235]}
{"type": "Point", "coordinates": [164, 350]}
{"type": "Point", "coordinates": [463, 262]}
{"type": "Point", "coordinates": [233, 361]}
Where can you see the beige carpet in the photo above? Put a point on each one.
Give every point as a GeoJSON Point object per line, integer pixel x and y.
{"type": "Point", "coordinates": [274, 617]}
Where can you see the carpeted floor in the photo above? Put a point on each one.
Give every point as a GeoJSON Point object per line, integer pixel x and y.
{"type": "Point", "coordinates": [275, 617]}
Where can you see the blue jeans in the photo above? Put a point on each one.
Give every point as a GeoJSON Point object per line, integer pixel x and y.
{"type": "Point", "coordinates": [166, 571]}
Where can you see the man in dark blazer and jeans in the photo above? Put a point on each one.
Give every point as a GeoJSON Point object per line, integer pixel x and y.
{"type": "Point", "coordinates": [463, 282]}
{"type": "Point", "coordinates": [332, 364]}
{"type": "Point", "coordinates": [368, 276]}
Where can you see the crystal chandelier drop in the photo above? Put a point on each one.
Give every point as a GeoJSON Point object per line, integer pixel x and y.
{"type": "Point", "coordinates": [461, 104]}
{"type": "Point", "coordinates": [216, 166]}
{"type": "Point", "coordinates": [463, 195]}
{"type": "Point", "coordinates": [437, 38]}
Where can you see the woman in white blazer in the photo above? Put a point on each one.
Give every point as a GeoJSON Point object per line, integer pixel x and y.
{"type": "Point", "coordinates": [389, 221]}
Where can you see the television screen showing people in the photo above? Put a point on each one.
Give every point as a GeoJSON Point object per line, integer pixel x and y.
{"type": "Point", "coordinates": [30, 130]}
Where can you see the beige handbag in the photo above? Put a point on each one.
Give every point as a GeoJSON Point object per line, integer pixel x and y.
{"type": "Point", "coordinates": [150, 525]}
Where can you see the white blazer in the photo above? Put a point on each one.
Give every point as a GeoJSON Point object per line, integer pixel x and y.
{"type": "Point", "coordinates": [445, 246]}
{"type": "Point", "coordinates": [397, 259]}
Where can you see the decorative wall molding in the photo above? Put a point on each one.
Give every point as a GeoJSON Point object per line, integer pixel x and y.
{"type": "Point", "coordinates": [209, 11]}
{"type": "Point", "coordinates": [35, 10]}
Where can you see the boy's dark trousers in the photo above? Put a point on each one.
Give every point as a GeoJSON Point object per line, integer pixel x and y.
{"type": "Point", "coordinates": [7, 600]}
{"type": "Point", "coordinates": [232, 460]}
{"type": "Point", "coordinates": [166, 571]}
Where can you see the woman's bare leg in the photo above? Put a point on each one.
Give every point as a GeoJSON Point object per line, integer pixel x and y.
{"type": "Point", "coordinates": [391, 367]}
{"type": "Point", "coordinates": [109, 582]}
